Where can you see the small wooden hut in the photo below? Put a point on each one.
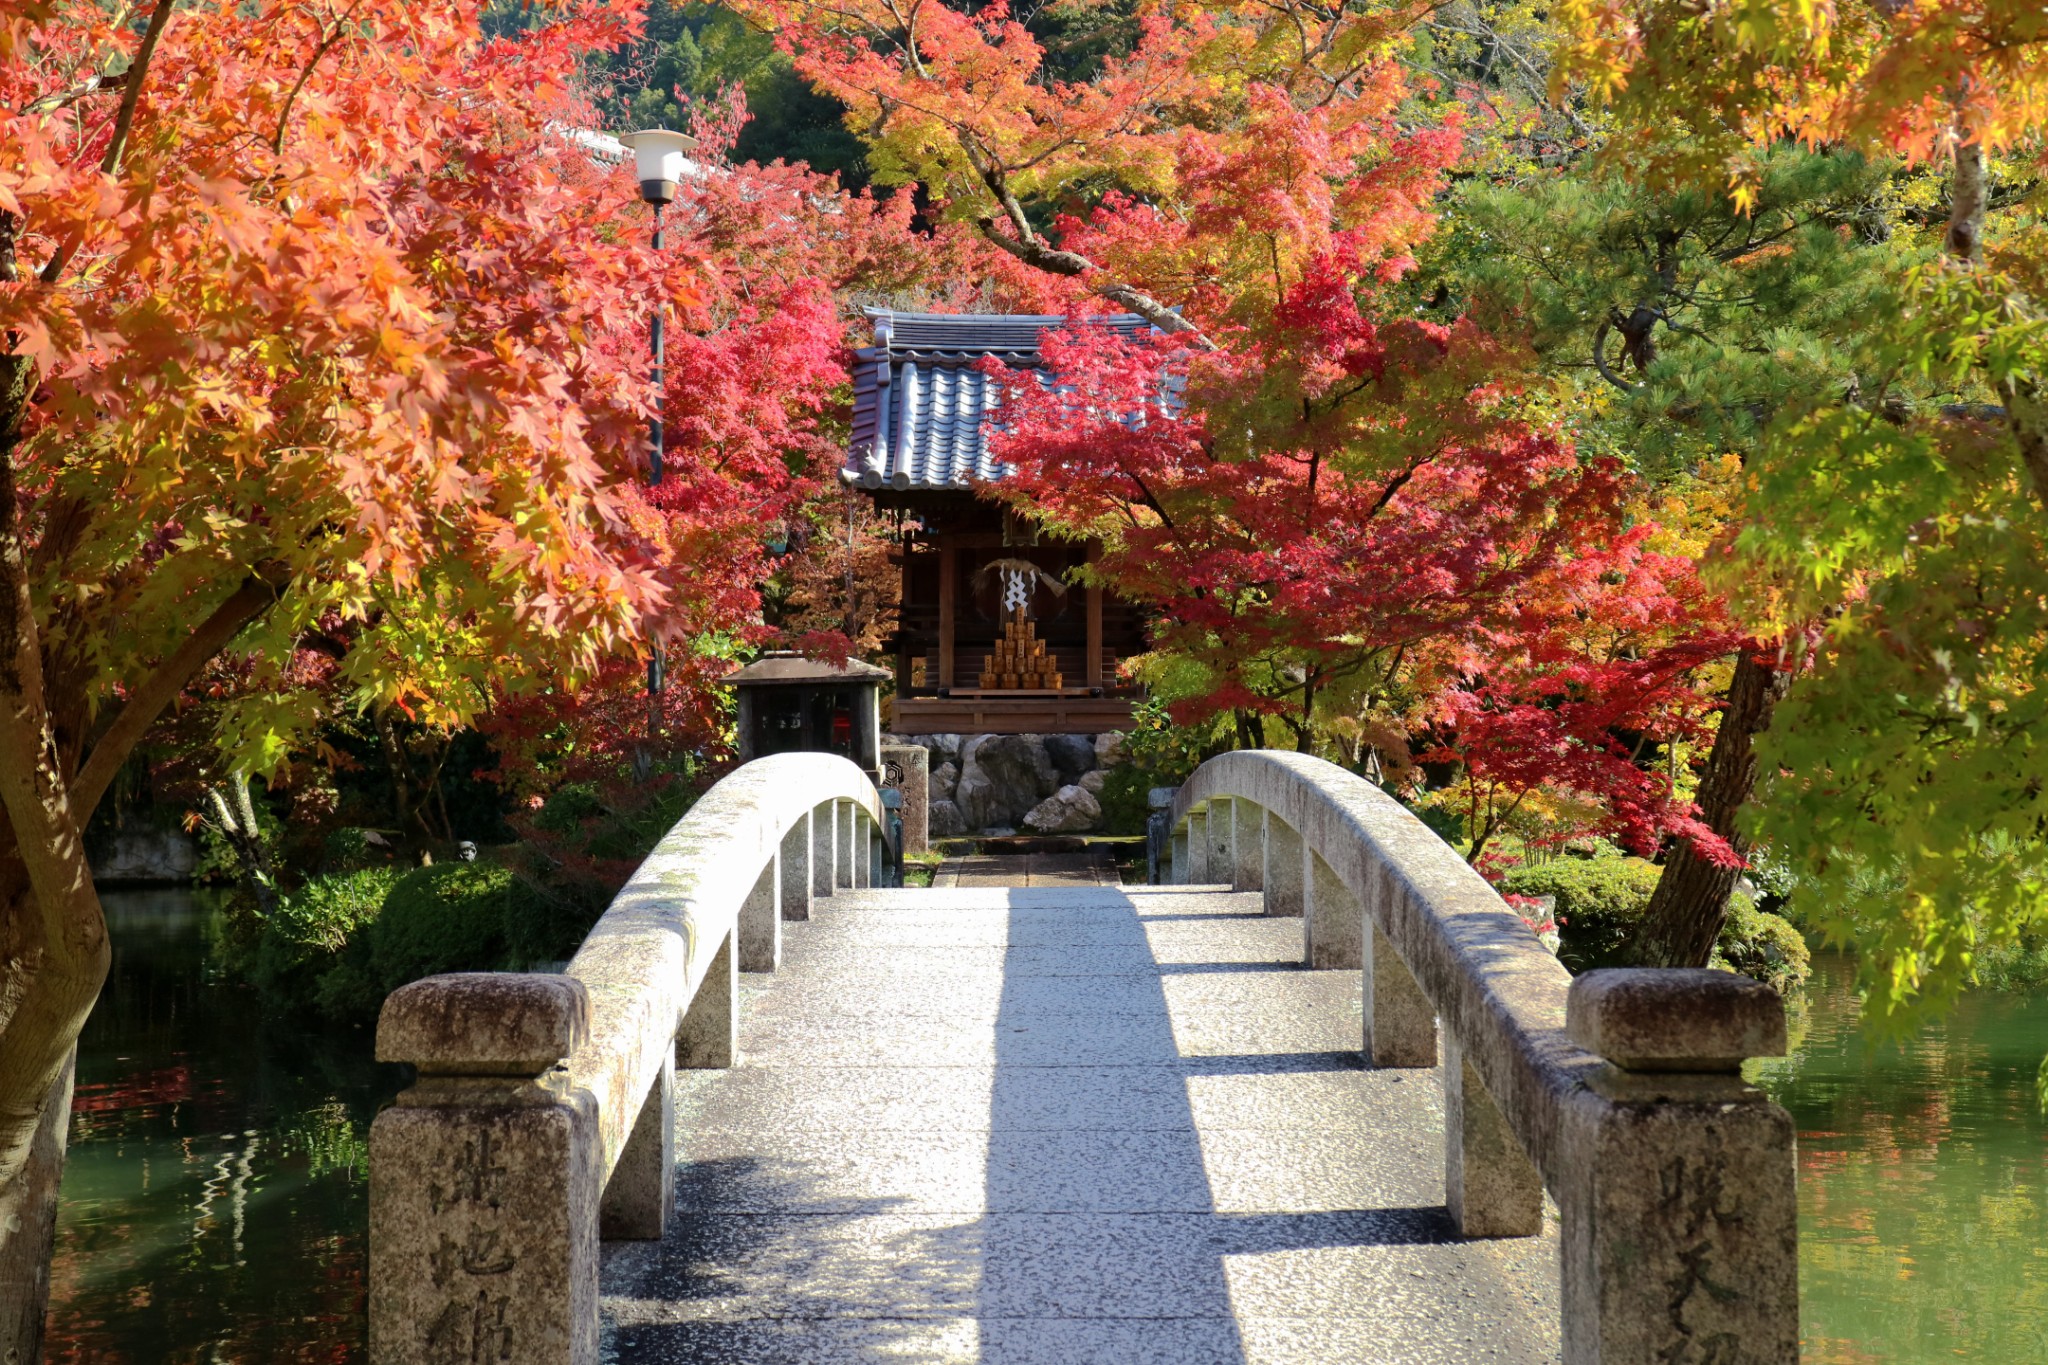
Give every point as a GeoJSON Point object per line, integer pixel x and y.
{"type": "Point", "coordinates": [993, 636]}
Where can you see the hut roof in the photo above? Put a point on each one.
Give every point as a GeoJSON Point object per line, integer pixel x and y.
{"type": "Point", "coordinates": [920, 402]}
{"type": "Point", "coordinates": [782, 666]}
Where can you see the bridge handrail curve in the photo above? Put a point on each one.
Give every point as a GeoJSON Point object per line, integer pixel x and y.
{"type": "Point", "coordinates": [1493, 983]}
{"type": "Point", "coordinates": [641, 964]}
{"type": "Point", "coordinates": [1618, 1090]}
{"type": "Point", "coordinates": [543, 1115]}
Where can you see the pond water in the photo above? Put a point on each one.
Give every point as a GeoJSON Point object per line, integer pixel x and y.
{"type": "Point", "coordinates": [215, 1198]}
{"type": "Point", "coordinates": [1923, 1181]}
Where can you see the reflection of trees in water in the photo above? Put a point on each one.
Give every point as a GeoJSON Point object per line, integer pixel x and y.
{"type": "Point", "coordinates": [1923, 1180]}
{"type": "Point", "coordinates": [216, 1199]}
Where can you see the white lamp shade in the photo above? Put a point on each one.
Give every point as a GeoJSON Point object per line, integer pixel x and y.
{"type": "Point", "coordinates": [659, 156]}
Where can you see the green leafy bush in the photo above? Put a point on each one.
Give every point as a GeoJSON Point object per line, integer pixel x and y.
{"type": "Point", "coordinates": [630, 834]}
{"type": "Point", "coordinates": [313, 926]}
{"type": "Point", "coordinates": [349, 848]}
{"type": "Point", "coordinates": [568, 806]}
{"type": "Point", "coordinates": [341, 943]}
{"type": "Point", "coordinates": [1760, 944]}
{"type": "Point", "coordinates": [1600, 901]}
{"type": "Point", "coordinates": [1123, 799]}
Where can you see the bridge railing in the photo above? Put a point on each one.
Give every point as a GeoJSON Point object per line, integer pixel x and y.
{"type": "Point", "coordinates": [542, 1119]}
{"type": "Point", "coordinates": [1618, 1091]}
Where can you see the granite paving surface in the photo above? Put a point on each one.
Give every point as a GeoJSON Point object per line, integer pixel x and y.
{"type": "Point", "coordinates": [1063, 1125]}
{"type": "Point", "coordinates": [1094, 867]}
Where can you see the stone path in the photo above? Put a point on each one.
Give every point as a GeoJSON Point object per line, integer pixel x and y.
{"type": "Point", "coordinates": [1063, 1126]}
{"type": "Point", "coordinates": [1093, 868]}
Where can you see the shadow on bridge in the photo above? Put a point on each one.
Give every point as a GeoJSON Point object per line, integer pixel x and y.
{"type": "Point", "coordinates": [1064, 1127]}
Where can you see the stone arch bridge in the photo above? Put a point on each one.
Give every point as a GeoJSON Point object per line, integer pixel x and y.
{"type": "Point", "coordinates": [1322, 1097]}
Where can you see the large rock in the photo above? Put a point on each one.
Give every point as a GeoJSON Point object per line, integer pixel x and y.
{"type": "Point", "coordinates": [945, 748]}
{"type": "Point", "coordinates": [1092, 781]}
{"type": "Point", "coordinates": [944, 778]}
{"type": "Point", "coordinates": [978, 800]}
{"type": "Point", "coordinates": [1072, 755]}
{"type": "Point", "coordinates": [1109, 748]}
{"type": "Point", "coordinates": [1069, 810]}
{"type": "Point", "coordinates": [945, 820]}
{"type": "Point", "coordinates": [1001, 778]}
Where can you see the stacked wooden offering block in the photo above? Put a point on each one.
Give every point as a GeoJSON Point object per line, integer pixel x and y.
{"type": "Point", "coordinates": [1020, 660]}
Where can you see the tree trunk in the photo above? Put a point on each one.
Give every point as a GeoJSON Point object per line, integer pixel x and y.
{"type": "Point", "coordinates": [234, 814]}
{"type": "Point", "coordinates": [1690, 904]}
{"type": "Point", "coordinates": [28, 1229]}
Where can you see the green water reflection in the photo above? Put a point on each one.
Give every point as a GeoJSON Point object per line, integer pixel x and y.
{"type": "Point", "coordinates": [215, 1197]}
{"type": "Point", "coordinates": [1923, 1182]}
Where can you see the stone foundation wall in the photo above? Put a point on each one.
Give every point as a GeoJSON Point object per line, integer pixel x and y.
{"type": "Point", "coordinates": [142, 855]}
{"type": "Point", "coordinates": [1016, 784]}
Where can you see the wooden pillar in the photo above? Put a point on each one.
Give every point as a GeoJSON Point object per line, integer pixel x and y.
{"type": "Point", "coordinates": [949, 571]}
{"type": "Point", "coordinates": [904, 671]}
{"type": "Point", "coordinates": [1091, 668]}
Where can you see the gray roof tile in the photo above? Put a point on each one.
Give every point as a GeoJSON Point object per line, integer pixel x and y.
{"type": "Point", "coordinates": [919, 403]}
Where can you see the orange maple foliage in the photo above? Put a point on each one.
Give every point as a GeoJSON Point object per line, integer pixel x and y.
{"type": "Point", "coordinates": [314, 310]}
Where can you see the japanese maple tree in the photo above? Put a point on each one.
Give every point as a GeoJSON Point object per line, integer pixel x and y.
{"type": "Point", "coordinates": [311, 313]}
{"type": "Point", "coordinates": [1319, 496]}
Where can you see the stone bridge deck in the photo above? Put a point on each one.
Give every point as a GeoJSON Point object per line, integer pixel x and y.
{"type": "Point", "coordinates": [1064, 1125]}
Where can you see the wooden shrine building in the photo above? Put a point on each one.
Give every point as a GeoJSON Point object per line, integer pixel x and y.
{"type": "Point", "coordinates": [992, 637]}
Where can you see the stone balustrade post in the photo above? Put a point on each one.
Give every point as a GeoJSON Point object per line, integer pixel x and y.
{"type": "Point", "coordinates": [1248, 825]}
{"type": "Point", "coordinates": [907, 768]}
{"type": "Point", "coordinates": [863, 848]}
{"type": "Point", "coordinates": [796, 869]}
{"type": "Point", "coordinates": [1679, 1211]}
{"type": "Point", "coordinates": [760, 924]}
{"type": "Point", "coordinates": [1198, 847]}
{"type": "Point", "coordinates": [708, 1038]}
{"type": "Point", "coordinates": [1400, 1023]}
{"type": "Point", "coordinates": [1182, 868]}
{"type": "Point", "coordinates": [824, 836]}
{"type": "Point", "coordinates": [485, 1177]}
{"type": "Point", "coordinates": [642, 1188]}
{"type": "Point", "coordinates": [843, 818]}
{"type": "Point", "coordinates": [1222, 860]}
{"type": "Point", "coordinates": [1282, 875]}
{"type": "Point", "coordinates": [1332, 919]}
{"type": "Point", "coordinates": [1491, 1187]}
{"type": "Point", "coordinates": [878, 857]}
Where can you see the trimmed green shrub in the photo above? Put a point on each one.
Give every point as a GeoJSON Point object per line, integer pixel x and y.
{"type": "Point", "coordinates": [630, 835]}
{"type": "Point", "coordinates": [568, 806]}
{"type": "Point", "coordinates": [340, 944]}
{"type": "Point", "coordinates": [1600, 901]}
{"type": "Point", "coordinates": [1760, 944]}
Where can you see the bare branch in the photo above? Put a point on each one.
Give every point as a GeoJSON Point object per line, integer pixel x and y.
{"type": "Point", "coordinates": [64, 99]}
{"type": "Point", "coordinates": [124, 120]}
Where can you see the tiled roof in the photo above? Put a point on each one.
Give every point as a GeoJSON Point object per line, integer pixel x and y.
{"type": "Point", "coordinates": [785, 666]}
{"type": "Point", "coordinates": [919, 402]}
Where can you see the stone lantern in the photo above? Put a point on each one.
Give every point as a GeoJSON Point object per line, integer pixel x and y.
{"type": "Point", "coordinates": [790, 703]}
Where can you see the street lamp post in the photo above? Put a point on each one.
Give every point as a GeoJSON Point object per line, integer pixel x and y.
{"type": "Point", "coordinates": [659, 156]}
